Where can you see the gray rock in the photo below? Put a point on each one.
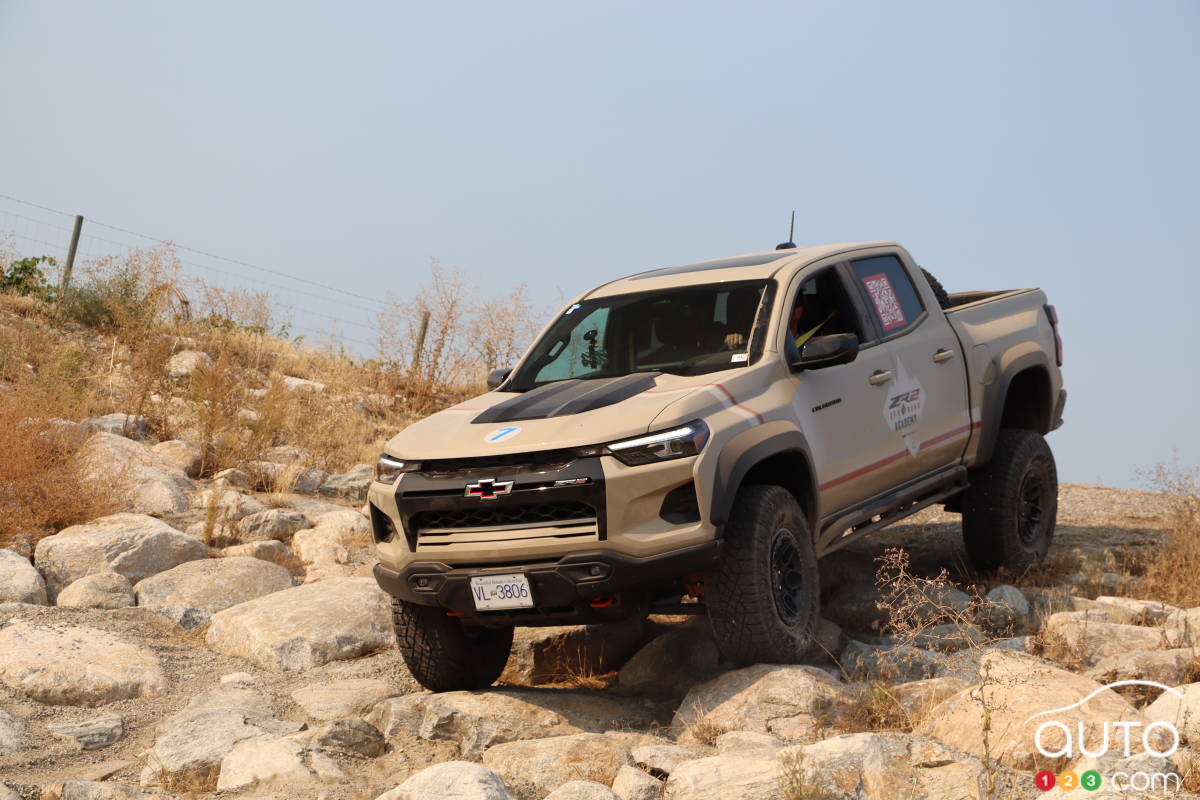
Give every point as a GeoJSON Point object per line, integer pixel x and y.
{"type": "Point", "coordinates": [184, 455]}
{"type": "Point", "coordinates": [134, 545]}
{"type": "Point", "coordinates": [352, 485]}
{"type": "Point", "coordinates": [344, 698]}
{"type": "Point", "coordinates": [918, 698]}
{"type": "Point", "coordinates": [12, 733]}
{"type": "Point", "coordinates": [92, 734]}
{"type": "Point", "coordinates": [271, 477]}
{"type": "Point", "coordinates": [93, 790]}
{"type": "Point", "coordinates": [948, 638]}
{"type": "Point", "coordinates": [191, 744]}
{"type": "Point", "coordinates": [896, 663]}
{"type": "Point", "coordinates": [185, 362]}
{"type": "Point", "coordinates": [671, 663]}
{"type": "Point", "coordinates": [186, 618]}
{"type": "Point", "coordinates": [19, 581]}
{"type": "Point", "coordinates": [583, 790]}
{"type": "Point", "coordinates": [1170, 667]}
{"type": "Point", "coordinates": [98, 590]}
{"type": "Point", "coordinates": [232, 478]}
{"type": "Point", "coordinates": [273, 552]}
{"type": "Point", "coordinates": [132, 426]}
{"type": "Point", "coordinates": [744, 776]}
{"type": "Point", "coordinates": [155, 486]}
{"type": "Point", "coordinates": [786, 701]}
{"type": "Point", "coordinates": [306, 626]}
{"type": "Point", "coordinates": [75, 665]}
{"type": "Point", "coordinates": [1092, 642]}
{"type": "Point", "coordinates": [855, 606]}
{"type": "Point", "coordinates": [747, 742]}
{"type": "Point", "coordinates": [1004, 610]}
{"type": "Point", "coordinates": [348, 735]}
{"type": "Point", "coordinates": [1181, 708]}
{"type": "Point", "coordinates": [828, 641]}
{"type": "Point", "coordinates": [274, 523]}
{"type": "Point", "coordinates": [633, 784]}
{"type": "Point", "coordinates": [213, 584]}
{"type": "Point", "coordinates": [451, 780]}
{"type": "Point", "coordinates": [302, 384]}
{"type": "Point", "coordinates": [227, 505]}
{"type": "Point", "coordinates": [1146, 611]}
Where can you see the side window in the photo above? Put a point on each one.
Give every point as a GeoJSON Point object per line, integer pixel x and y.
{"type": "Point", "coordinates": [821, 307]}
{"type": "Point", "coordinates": [890, 292]}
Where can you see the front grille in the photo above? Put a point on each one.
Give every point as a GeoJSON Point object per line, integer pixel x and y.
{"type": "Point", "coordinates": [540, 461]}
{"type": "Point", "coordinates": [499, 516]}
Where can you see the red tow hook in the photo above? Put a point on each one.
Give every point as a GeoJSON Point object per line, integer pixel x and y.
{"type": "Point", "coordinates": [454, 613]}
{"type": "Point", "coordinates": [603, 601]}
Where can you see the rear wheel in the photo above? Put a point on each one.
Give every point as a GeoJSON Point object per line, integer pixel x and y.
{"type": "Point", "coordinates": [1010, 509]}
{"type": "Point", "coordinates": [443, 654]}
{"type": "Point", "coordinates": [764, 597]}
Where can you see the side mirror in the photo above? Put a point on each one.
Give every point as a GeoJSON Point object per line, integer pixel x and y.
{"type": "Point", "coordinates": [827, 351]}
{"type": "Point", "coordinates": [497, 377]}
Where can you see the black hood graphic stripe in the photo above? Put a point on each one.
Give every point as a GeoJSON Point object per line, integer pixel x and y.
{"type": "Point", "coordinates": [562, 398]}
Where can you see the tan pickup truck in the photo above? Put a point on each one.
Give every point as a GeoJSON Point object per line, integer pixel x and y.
{"type": "Point", "coordinates": [696, 438]}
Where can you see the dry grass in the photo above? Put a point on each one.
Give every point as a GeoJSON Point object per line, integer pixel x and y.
{"type": "Point", "coordinates": [44, 487]}
{"type": "Point", "coordinates": [871, 707]}
{"type": "Point", "coordinates": [1168, 572]}
{"type": "Point", "coordinates": [796, 783]}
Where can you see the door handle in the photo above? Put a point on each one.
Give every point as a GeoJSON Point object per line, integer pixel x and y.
{"type": "Point", "coordinates": [879, 377]}
{"type": "Point", "coordinates": [942, 355]}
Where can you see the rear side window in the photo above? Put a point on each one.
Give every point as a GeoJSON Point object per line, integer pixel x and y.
{"type": "Point", "coordinates": [890, 292]}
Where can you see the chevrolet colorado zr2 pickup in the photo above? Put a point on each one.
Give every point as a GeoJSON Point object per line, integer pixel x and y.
{"type": "Point", "coordinates": [696, 438]}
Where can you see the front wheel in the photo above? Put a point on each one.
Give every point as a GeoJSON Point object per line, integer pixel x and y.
{"type": "Point", "coordinates": [1010, 509]}
{"type": "Point", "coordinates": [443, 654]}
{"type": "Point", "coordinates": [764, 596]}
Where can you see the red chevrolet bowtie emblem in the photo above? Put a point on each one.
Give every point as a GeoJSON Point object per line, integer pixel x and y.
{"type": "Point", "coordinates": [488, 489]}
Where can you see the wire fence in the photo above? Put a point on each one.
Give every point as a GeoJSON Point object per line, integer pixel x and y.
{"type": "Point", "coordinates": [323, 314]}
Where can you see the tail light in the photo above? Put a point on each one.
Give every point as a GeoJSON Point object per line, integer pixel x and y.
{"type": "Point", "coordinates": [1052, 315]}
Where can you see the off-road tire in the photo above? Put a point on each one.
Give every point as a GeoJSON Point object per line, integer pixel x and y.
{"type": "Point", "coordinates": [939, 291]}
{"type": "Point", "coordinates": [750, 623]}
{"type": "Point", "coordinates": [443, 654]}
{"type": "Point", "coordinates": [1009, 511]}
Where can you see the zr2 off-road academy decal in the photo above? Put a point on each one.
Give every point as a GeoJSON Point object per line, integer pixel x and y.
{"type": "Point", "coordinates": [903, 406]}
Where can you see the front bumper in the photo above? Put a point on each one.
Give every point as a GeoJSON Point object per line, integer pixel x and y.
{"type": "Point", "coordinates": [562, 588]}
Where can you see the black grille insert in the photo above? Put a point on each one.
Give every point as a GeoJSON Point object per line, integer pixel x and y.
{"type": "Point", "coordinates": [488, 516]}
{"type": "Point", "coordinates": [540, 461]}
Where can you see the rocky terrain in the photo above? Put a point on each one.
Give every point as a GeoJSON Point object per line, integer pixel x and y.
{"type": "Point", "coordinates": [211, 640]}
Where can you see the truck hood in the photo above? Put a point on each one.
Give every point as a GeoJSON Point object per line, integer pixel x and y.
{"type": "Point", "coordinates": [562, 414]}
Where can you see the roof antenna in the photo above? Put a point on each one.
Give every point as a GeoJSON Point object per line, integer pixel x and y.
{"type": "Point", "coordinates": [790, 244]}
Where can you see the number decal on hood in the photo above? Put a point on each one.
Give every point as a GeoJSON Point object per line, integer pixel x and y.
{"type": "Point", "coordinates": [500, 434]}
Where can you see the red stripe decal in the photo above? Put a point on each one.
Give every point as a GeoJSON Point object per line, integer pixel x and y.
{"type": "Point", "coordinates": [733, 400]}
{"type": "Point", "coordinates": [892, 459]}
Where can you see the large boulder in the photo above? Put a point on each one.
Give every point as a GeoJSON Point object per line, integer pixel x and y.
{"type": "Point", "coordinates": [918, 698]}
{"type": "Point", "coordinates": [451, 780]}
{"type": "Point", "coordinates": [1181, 708]}
{"type": "Point", "coordinates": [92, 734]}
{"type": "Point", "coordinates": [191, 744]}
{"type": "Point", "coordinates": [227, 505]}
{"type": "Point", "coordinates": [632, 783]}
{"type": "Point", "coordinates": [185, 362]}
{"type": "Point", "coordinates": [132, 426]}
{"type": "Point", "coordinates": [155, 485]}
{"type": "Point", "coordinates": [274, 523]}
{"type": "Point", "coordinates": [93, 790]}
{"type": "Point", "coordinates": [1077, 636]}
{"type": "Point", "coordinates": [1004, 610]}
{"type": "Point", "coordinates": [184, 455]}
{"type": "Point", "coordinates": [100, 590]}
{"type": "Point", "coordinates": [474, 720]}
{"type": "Point", "coordinates": [671, 663]}
{"type": "Point", "coordinates": [558, 653]}
{"type": "Point", "coordinates": [787, 701]}
{"type": "Point", "coordinates": [746, 776]}
{"type": "Point", "coordinates": [19, 581]}
{"type": "Point", "coordinates": [134, 545]}
{"type": "Point", "coordinates": [660, 760]}
{"type": "Point", "coordinates": [583, 790]}
{"type": "Point", "coordinates": [272, 551]}
{"type": "Point", "coordinates": [257, 761]}
{"type": "Point", "coordinates": [214, 584]}
{"type": "Point", "coordinates": [900, 662]}
{"type": "Point", "coordinates": [1014, 692]}
{"type": "Point", "coordinates": [306, 626]}
{"type": "Point", "coordinates": [342, 698]}
{"type": "Point", "coordinates": [1170, 667]}
{"type": "Point", "coordinates": [538, 766]}
{"type": "Point", "coordinates": [352, 485]}
{"type": "Point", "coordinates": [75, 665]}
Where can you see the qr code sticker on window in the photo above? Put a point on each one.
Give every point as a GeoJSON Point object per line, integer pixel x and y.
{"type": "Point", "coordinates": [885, 300]}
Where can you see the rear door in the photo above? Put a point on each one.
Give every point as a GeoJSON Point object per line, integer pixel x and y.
{"type": "Point", "coordinates": [925, 405]}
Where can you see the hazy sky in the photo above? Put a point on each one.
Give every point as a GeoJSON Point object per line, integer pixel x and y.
{"type": "Point", "coordinates": [1012, 144]}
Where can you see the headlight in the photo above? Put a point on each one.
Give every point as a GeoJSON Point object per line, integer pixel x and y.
{"type": "Point", "coordinates": [687, 440]}
{"type": "Point", "coordinates": [388, 469]}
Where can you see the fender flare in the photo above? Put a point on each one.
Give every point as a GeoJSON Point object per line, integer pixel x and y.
{"type": "Point", "coordinates": [995, 396]}
{"type": "Point", "coordinates": [750, 448]}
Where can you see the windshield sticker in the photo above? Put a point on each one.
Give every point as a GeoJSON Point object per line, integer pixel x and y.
{"type": "Point", "coordinates": [738, 358]}
{"type": "Point", "coordinates": [572, 308]}
{"type": "Point", "coordinates": [887, 305]}
{"type": "Point", "coordinates": [500, 434]}
{"type": "Point", "coordinates": [902, 408]}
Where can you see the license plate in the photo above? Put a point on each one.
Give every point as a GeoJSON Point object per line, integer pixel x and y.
{"type": "Point", "coordinates": [501, 591]}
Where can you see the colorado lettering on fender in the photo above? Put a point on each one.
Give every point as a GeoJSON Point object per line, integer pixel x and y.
{"type": "Point", "coordinates": [826, 404]}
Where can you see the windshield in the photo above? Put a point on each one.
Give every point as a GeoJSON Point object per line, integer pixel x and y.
{"type": "Point", "coordinates": [686, 331]}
